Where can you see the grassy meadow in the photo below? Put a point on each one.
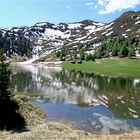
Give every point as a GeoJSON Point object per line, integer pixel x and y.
{"type": "Point", "coordinates": [115, 67]}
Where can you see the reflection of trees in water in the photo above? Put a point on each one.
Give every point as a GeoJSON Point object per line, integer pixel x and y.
{"type": "Point", "coordinates": [21, 80]}
{"type": "Point", "coordinates": [25, 81]}
{"type": "Point", "coordinates": [104, 85]}
{"type": "Point", "coordinates": [119, 94]}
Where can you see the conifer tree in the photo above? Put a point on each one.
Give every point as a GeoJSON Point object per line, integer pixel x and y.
{"type": "Point", "coordinates": [4, 77]}
{"type": "Point", "coordinates": [9, 117]}
{"type": "Point", "coordinates": [131, 52]}
{"type": "Point", "coordinates": [82, 54]}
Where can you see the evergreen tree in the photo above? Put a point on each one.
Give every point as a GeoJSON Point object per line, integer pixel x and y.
{"type": "Point", "coordinates": [123, 51]}
{"type": "Point", "coordinates": [88, 57]}
{"type": "Point", "coordinates": [115, 50]}
{"type": "Point", "coordinates": [4, 77]}
{"type": "Point", "coordinates": [82, 54]}
{"type": "Point", "coordinates": [93, 57]}
{"type": "Point", "coordinates": [75, 56]}
{"type": "Point", "coordinates": [9, 118]}
{"type": "Point", "coordinates": [58, 54]}
{"type": "Point", "coordinates": [139, 49]}
{"type": "Point", "coordinates": [98, 54]}
{"type": "Point", "coordinates": [131, 51]}
{"type": "Point", "coordinates": [70, 56]}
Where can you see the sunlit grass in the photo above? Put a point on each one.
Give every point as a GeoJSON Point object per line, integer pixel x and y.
{"type": "Point", "coordinates": [117, 67]}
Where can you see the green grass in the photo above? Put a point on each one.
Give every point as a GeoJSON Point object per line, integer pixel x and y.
{"type": "Point", "coordinates": [117, 67]}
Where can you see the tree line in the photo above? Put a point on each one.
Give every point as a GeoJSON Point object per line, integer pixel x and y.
{"type": "Point", "coordinates": [117, 46]}
{"type": "Point", "coordinates": [15, 43]}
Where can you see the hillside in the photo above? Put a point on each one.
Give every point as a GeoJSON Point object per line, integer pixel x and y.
{"type": "Point", "coordinates": [43, 38]}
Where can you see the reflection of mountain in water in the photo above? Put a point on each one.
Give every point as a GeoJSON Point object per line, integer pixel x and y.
{"type": "Point", "coordinates": [120, 95]}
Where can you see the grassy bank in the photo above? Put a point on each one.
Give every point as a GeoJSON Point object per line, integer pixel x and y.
{"type": "Point", "coordinates": [38, 128]}
{"type": "Point", "coordinates": [116, 67]}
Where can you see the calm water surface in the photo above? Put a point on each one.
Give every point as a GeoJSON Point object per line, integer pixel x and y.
{"type": "Point", "coordinates": [91, 102]}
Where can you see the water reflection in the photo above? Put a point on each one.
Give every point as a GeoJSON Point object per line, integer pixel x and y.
{"type": "Point", "coordinates": [116, 96]}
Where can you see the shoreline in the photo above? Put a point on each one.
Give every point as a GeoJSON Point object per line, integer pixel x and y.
{"type": "Point", "coordinates": [38, 127]}
{"type": "Point", "coordinates": [110, 67]}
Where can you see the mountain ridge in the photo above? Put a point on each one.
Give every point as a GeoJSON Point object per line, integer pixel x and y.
{"type": "Point", "coordinates": [47, 37]}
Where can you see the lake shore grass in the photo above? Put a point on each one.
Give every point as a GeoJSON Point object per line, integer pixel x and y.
{"type": "Point", "coordinates": [114, 67]}
{"type": "Point", "coordinates": [39, 128]}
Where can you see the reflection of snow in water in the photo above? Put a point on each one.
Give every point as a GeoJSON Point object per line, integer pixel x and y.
{"type": "Point", "coordinates": [44, 81]}
{"type": "Point", "coordinates": [72, 89]}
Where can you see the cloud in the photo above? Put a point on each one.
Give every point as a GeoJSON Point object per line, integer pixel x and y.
{"type": "Point", "coordinates": [101, 2]}
{"type": "Point", "coordinates": [110, 123]}
{"type": "Point", "coordinates": [111, 6]}
{"type": "Point", "coordinates": [90, 5]}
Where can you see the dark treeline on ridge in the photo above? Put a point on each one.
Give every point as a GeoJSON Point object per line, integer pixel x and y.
{"type": "Point", "coordinates": [117, 46]}
{"type": "Point", "coordinates": [15, 44]}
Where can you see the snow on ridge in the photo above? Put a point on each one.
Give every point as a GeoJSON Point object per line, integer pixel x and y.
{"type": "Point", "coordinates": [74, 25]}
{"type": "Point", "coordinates": [81, 38]}
{"type": "Point", "coordinates": [16, 30]}
{"type": "Point", "coordinates": [104, 33]}
{"type": "Point", "coordinates": [109, 33]}
{"type": "Point", "coordinates": [38, 28]}
{"type": "Point", "coordinates": [56, 33]}
{"type": "Point", "coordinates": [41, 24]}
{"type": "Point", "coordinates": [137, 18]}
{"type": "Point", "coordinates": [137, 22]}
{"type": "Point", "coordinates": [124, 35]}
{"type": "Point", "coordinates": [128, 30]}
{"type": "Point", "coordinates": [99, 24]}
{"type": "Point", "coordinates": [99, 28]}
{"type": "Point", "coordinates": [90, 28]}
{"type": "Point", "coordinates": [108, 25]}
{"type": "Point", "coordinates": [109, 29]}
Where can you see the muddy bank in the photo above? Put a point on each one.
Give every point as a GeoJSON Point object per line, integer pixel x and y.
{"type": "Point", "coordinates": [39, 128]}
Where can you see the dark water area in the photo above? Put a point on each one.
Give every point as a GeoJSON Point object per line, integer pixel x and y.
{"type": "Point", "coordinates": [91, 102]}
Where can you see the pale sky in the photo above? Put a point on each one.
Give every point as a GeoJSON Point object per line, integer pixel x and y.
{"type": "Point", "coordinates": [29, 12]}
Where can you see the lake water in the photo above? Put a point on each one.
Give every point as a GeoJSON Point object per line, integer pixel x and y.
{"type": "Point", "coordinates": [91, 102]}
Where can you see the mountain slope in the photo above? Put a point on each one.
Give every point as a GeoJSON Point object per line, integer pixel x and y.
{"type": "Point", "coordinates": [45, 37]}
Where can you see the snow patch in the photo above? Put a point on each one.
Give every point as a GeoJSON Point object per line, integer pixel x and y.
{"type": "Point", "coordinates": [73, 26]}
{"type": "Point", "coordinates": [137, 54]}
{"type": "Point", "coordinates": [136, 81]}
{"type": "Point", "coordinates": [137, 22]}
{"type": "Point", "coordinates": [40, 24]}
{"type": "Point", "coordinates": [137, 18]}
{"type": "Point", "coordinates": [124, 35]}
{"type": "Point", "coordinates": [90, 28]}
{"type": "Point", "coordinates": [109, 33]}
{"type": "Point", "coordinates": [128, 30]}
{"type": "Point", "coordinates": [131, 110]}
{"type": "Point", "coordinates": [107, 26]}
{"type": "Point", "coordinates": [90, 52]}
{"type": "Point", "coordinates": [56, 33]}
{"type": "Point", "coordinates": [35, 57]}
{"type": "Point", "coordinates": [109, 29]}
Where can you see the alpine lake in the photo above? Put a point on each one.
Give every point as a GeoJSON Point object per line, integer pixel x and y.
{"type": "Point", "coordinates": [94, 103]}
